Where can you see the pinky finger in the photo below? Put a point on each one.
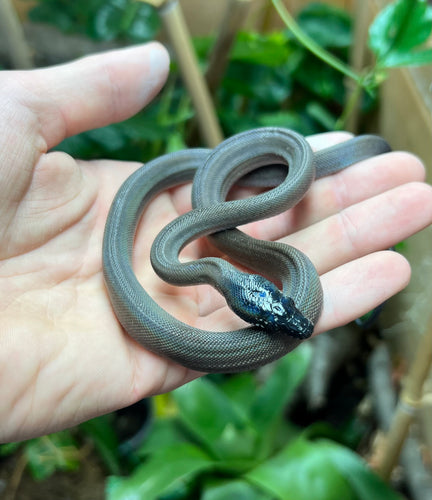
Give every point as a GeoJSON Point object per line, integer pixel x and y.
{"type": "Point", "coordinates": [357, 287]}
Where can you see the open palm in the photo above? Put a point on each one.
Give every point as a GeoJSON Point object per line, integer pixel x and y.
{"type": "Point", "coordinates": [64, 357]}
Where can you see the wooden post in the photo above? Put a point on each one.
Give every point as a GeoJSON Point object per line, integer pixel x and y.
{"type": "Point", "coordinates": [409, 402]}
{"type": "Point", "coordinates": [234, 17]}
{"type": "Point", "coordinates": [177, 31]}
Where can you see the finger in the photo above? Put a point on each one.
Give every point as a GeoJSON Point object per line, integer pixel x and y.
{"type": "Point", "coordinates": [327, 139]}
{"type": "Point", "coordinates": [334, 193]}
{"type": "Point", "coordinates": [375, 224]}
{"type": "Point", "coordinates": [94, 91]}
{"type": "Point", "coordinates": [357, 287]}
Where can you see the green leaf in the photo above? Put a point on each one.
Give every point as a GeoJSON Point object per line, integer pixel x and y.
{"type": "Point", "coordinates": [104, 437]}
{"type": "Point", "coordinates": [215, 421]}
{"type": "Point", "coordinates": [181, 462]}
{"type": "Point", "coordinates": [175, 142]}
{"type": "Point", "coordinates": [268, 86]}
{"type": "Point", "coordinates": [255, 48]}
{"type": "Point", "coordinates": [417, 58]}
{"type": "Point", "coordinates": [9, 448]}
{"type": "Point", "coordinates": [364, 482]}
{"type": "Point", "coordinates": [52, 14]}
{"type": "Point", "coordinates": [321, 114]}
{"type": "Point", "coordinates": [399, 28]}
{"type": "Point", "coordinates": [302, 471]}
{"type": "Point", "coordinates": [47, 454]}
{"type": "Point", "coordinates": [164, 433]}
{"type": "Point", "coordinates": [320, 79]}
{"type": "Point", "coordinates": [240, 388]}
{"type": "Point", "coordinates": [271, 399]}
{"type": "Point", "coordinates": [235, 490]}
{"type": "Point", "coordinates": [145, 24]}
{"type": "Point", "coordinates": [327, 25]}
{"type": "Point", "coordinates": [328, 471]}
{"type": "Point", "coordinates": [107, 22]}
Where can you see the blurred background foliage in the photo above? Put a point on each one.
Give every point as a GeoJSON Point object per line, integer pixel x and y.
{"type": "Point", "coordinates": [271, 79]}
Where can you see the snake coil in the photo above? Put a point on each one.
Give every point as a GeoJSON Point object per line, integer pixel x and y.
{"type": "Point", "coordinates": [280, 319]}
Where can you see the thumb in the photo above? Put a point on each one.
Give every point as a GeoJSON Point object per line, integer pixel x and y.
{"type": "Point", "coordinates": [93, 91]}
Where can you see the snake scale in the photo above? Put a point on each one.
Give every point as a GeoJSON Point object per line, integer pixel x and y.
{"type": "Point", "coordinates": [279, 318]}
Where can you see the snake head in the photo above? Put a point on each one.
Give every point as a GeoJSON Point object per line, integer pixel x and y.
{"type": "Point", "coordinates": [259, 302]}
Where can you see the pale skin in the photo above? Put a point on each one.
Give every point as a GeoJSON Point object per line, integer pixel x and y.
{"type": "Point", "coordinates": [64, 358]}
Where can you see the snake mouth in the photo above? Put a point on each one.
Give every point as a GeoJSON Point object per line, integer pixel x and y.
{"type": "Point", "coordinates": [299, 326]}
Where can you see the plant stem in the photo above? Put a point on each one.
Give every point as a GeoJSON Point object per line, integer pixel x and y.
{"type": "Point", "coordinates": [312, 46]}
{"type": "Point", "coordinates": [350, 106]}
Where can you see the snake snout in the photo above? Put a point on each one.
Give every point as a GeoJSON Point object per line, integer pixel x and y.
{"type": "Point", "coordinates": [259, 302]}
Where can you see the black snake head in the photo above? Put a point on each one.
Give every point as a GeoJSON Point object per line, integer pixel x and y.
{"type": "Point", "coordinates": [259, 302]}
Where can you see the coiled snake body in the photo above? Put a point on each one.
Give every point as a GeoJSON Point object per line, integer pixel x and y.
{"type": "Point", "coordinates": [280, 319]}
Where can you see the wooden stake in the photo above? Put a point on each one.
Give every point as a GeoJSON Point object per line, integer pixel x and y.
{"type": "Point", "coordinates": [174, 23]}
{"type": "Point", "coordinates": [409, 403]}
{"type": "Point", "coordinates": [234, 17]}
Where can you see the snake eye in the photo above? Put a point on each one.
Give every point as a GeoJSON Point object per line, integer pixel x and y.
{"type": "Point", "coordinates": [259, 302]}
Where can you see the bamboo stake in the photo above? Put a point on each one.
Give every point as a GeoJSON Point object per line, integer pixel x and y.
{"type": "Point", "coordinates": [14, 39]}
{"type": "Point", "coordinates": [234, 17]}
{"type": "Point", "coordinates": [409, 403]}
{"type": "Point", "coordinates": [174, 23]}
{"type": "Point", "coordinates": [357, 60]}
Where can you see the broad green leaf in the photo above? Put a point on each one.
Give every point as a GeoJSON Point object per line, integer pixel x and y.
{"type": "Point", "coordinates": [145, 24]}
{"type": "Point", "coordinates": [233, 490]}
{"type": "Point", "coordinates": [320, 79]}
{"type": "Point", "coordinates": [364, 482]}
{"type": "Point", "coordinates": [302, 471]}
{"type": "Point", "coordinates": [255, 48]}
{"type": "Point", "coordinates": [107, 22]}
{"type": "Point", "coordinates": [156, 476]}
{"type": "Point", "coordinates": [267, 86]}
{"type": "Point", "coordinates": [215, 421]}
{"type": "Point", "coordinates": [49, 453]}
{"type": "Point", "coordinates": [102, 433]}
{"type": "Point", "coordinates": [240, 388]}
{"type": "Point", "coordinates": [327, 25]}
{"type": "Point", "coordinates": [399, 28]}
{"type": "Point", "coordinates": [271, 399]}
{"type": "Point", "coordinates": [415, 58]}
{"type": "Point", "coordinates": [165, 433]}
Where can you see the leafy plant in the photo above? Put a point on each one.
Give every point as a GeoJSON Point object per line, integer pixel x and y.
{"type": "Point", "coordinates": [100, 19]}
{"type": "Point", "coordinates": [232, 440]}
{"type": "Point", "coordinates": [396, 37]}
{"type": "Point", "coordinates": [271, 80]}
{"type": "Point", "coordinates": [44, 455]}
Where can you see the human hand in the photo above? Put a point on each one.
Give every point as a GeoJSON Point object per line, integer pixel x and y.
{"type": "Point", "coordinates": [64, 357]}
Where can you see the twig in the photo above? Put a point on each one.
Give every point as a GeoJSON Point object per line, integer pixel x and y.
{"type": "Point", "coordinates": [173, 20]}
{"type": "Point", "coordinates": [234, 17]}
{"type": "Point", "coordinates": [16, 477]}
{"type": "Point", "coordinates": [350, 117]}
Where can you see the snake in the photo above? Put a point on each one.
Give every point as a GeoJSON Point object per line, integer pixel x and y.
{"type": "Point", "coordinates": [275, 288]}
